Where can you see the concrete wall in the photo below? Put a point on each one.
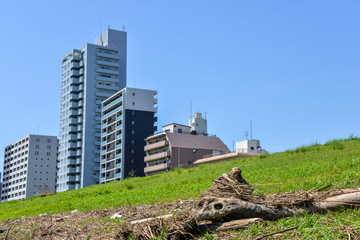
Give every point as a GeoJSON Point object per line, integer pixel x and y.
{"type": "Point", "coordinates": [185, 157]}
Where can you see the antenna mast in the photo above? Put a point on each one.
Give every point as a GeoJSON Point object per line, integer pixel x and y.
{"type": "Point", "coordinates": [251, 130]}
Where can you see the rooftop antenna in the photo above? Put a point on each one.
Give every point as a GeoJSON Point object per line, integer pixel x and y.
{"type": "Point", "coordinates": [190, 109]}
{"type": "Point", "coordinates": [233, 146]}
{"type": "Point", "coordinates": [251, 130]}
{"type": "Point", "coordinates": [101, 32]}
{"type": "Point", "coordinates": [246, 135]}
{"type": "Point", "coordinates": [205, 115]}
{"type": "Point", "coordinates": [123, 28]}
{"type": "Point", "coordinates": [109, 26]}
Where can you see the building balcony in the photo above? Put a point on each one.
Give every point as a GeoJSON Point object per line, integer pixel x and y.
{"type": "Point", "coordinates": [113, 80]}
{"type": "Point", "coordinates": [81, 103]}
{"type": "Point", "coordinates": [74, 104]}
{"type": "Point", "coordinates": [118, 155]}
{"type": "Point", "coordinates": [112, 112]}
{"type": "Point", "coordinates": [107, 106]}
{"type": "Point", "coordinates": [103, 179]}
{"type": "Point", "coordinates": [107, 63]}
{"type": "Point", "coordinates": [107, 87]}
{"type": "Point", "coordinates": [74, 73]}
{"type": "Point", "coordinates": [118, 165]}
{"type": "Point", "coordinates": [156, 145]}
{"type": "Point", "coordinates": [73, 129]}
{"type": "Point", "coordinates": [157, 156]}
{"type": "Point", "coordinates": [72, 145]}
{"type": "Point", "coordinates": [104, 94]}
{"type": "Point", "coordinates": [72, 137]}
{"type": "Point", "coordinates": [74, 88]}
{"type": "Point", "coordinates": [118, 175]}
{"type": "Point", "coordinates": [103, 134]}
{"type": "Point", "coordinates": [74, 80]}
{"type": "Point", "coordinates": [110, 176]}
{"type": "Point", "coordinates": [108, 71]}
{"type": "Point", "coordinates": [119, 136]}
{"type": "Point", "coordinates": [73, 113]}
{"type": "Point", "coordinates": [156, 168]}
{"type": "Point", "coordinates": [107, 55]}
{"type": "Point", "coordinates": [70, 178]}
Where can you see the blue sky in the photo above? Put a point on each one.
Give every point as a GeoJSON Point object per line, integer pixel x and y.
{"type": "Point", "coordinates": [290, 67]}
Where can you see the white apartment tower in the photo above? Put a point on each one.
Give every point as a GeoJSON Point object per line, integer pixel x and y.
{"type": "Point", "coordinates": [89, 76]}
{"type": "Point", "coordinates": [29, 167]}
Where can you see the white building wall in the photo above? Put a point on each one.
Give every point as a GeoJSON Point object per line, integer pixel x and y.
{"type": "Point", "coordinates": [28, 163]}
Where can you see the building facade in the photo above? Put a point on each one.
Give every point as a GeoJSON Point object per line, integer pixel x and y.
{"type": "Point", "coordinates": [89, 76]}
{"type": "Point", "coordinates": [250, 146]}
{"type": "Point", "coordinates": [174, 148]}
{"type": "Point", "coordinates": [198, 124]}
{"type": "Point", "coordinates": [29, 167]}
{"type": "Point", "coordinates": [128, 117]}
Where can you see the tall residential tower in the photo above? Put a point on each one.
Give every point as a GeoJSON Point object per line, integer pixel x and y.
{"type": "Point", "coordinates": [89, 76]}
{"type": "Point", "coordinates": [128, 117]}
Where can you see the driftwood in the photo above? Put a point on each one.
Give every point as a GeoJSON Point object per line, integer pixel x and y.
{"type": "Point", "coordinates": [231, 204]}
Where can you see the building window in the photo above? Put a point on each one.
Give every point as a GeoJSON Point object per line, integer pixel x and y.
{"type": "Point", "coordinates": [48, 147]}
{"type": "Point", "coordinates": [37, 146]}
{"type": "Point", "coordinates": [36, 153]}
{"type": "Point", "coordinates": [37, 140]}
{"type": "Point", "coordinates": [133, 103]}
{"type": "Point", "coordinates": [48, 154]}
{"type": "Point", "coordinates": [180, 130]}
{"type": "Point", "coordinates": [49, 140]}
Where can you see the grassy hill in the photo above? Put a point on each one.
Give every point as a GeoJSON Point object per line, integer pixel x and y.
{"type": "Point", "coordinates": [308, 167]}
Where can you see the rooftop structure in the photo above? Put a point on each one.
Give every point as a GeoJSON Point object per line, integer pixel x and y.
{"type": "Point", "coordinates": [250, 146]}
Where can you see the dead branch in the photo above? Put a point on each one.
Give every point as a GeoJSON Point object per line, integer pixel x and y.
{"type": "Point", "coordinates": [270, 234]}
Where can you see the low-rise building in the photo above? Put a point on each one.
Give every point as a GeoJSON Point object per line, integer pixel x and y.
{"type": "Point", "coordinates": [176, 146]}
{"type": "Point", "coordinates": [29, 167]}
{"type": "Point", "coordinates": [250, 146]}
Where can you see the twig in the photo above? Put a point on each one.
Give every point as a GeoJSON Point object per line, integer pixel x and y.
{"type": "Point", "coordinates": [270, 234]}
{"type": "Point", "coordinates": [49, 226]}
{"type": "Point", "coordinates": [266, 184]}
{"type": "Point", "coordinates": [151, 234]}
{"type": "Point", "coordinates": [323, 188]}
{"type": "Point", "coordinates": [128, 202]}
{"type": "Point", "coordinates": [351, 222]}
{"type": "Point", "coordinates": [7, 233]}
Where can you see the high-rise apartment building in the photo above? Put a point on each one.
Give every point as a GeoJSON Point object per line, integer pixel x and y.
{"type": "Point", "coordinates": [29, 167]}
{"type": "Point", "coordinates": [89, 76]}
{"type": "Point", "coordinates": [128, 117]}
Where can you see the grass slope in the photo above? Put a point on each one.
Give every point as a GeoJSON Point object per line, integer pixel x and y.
{"type": "Point", "coordinates": [308, 167]}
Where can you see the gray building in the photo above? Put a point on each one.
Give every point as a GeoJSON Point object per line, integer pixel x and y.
{"type": "Point", "coordinates": [89, 76]}
{"type": "Point", "coordinates": [128, 117]}
{"type": "Point", "coordinates": [29, 167]}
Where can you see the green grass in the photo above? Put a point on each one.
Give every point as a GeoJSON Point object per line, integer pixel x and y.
{"type": "Point", "coordinates": [308, 167]}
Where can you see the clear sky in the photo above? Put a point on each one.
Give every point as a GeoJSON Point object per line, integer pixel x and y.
{"type": "Point", "coordinates": [292, 67]}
